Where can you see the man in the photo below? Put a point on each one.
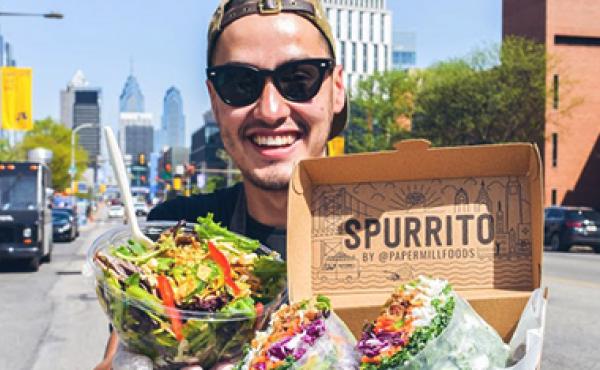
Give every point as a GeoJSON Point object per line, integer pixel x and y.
{"type": "Point", "coordinates": [277, 96]}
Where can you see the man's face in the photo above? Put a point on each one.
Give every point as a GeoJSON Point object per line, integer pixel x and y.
{"type": "Point", "coordinates": [267, 137]}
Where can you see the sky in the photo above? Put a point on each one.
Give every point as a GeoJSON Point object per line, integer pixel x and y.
{"type": "Point", "coordinates": [164, 42]}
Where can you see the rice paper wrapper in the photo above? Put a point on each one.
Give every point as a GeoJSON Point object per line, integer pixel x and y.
{"type": "Point", "coordinates": [468, 342]}
{"type": "Point", "coordinates": [334, 350]}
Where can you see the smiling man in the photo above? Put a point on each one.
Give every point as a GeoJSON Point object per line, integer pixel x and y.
{"type": "Point", "coordinates": [278, 96]}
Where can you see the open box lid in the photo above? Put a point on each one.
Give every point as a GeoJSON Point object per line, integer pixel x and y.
{"type": "Point", "coordinates": [359, 225]}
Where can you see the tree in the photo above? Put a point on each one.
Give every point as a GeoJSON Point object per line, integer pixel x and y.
{"type": "Point", "coordinates": [7, 153]}
{"type": "Point", "coordinates": [382, 108]}
{"type": "Point", "coordinates": [57, 138]}
{"type": "Point", "coordinates": [496, 95]}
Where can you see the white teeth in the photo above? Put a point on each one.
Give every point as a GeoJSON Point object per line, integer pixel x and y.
{"type": "Point", "coordinates": [273, 140]}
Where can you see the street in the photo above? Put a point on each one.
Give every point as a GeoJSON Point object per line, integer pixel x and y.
{"type": "Point", "coordinates": [52, 320]}
{"type": "Point", "coordinates": [573, 316]}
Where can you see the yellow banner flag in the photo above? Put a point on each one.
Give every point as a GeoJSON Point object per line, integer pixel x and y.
{"type": "Point", "coordinates": [335, 146]}
{"type": "Point", "coordinates": [16, 99]}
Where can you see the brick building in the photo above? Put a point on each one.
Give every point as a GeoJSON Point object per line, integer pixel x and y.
{"type": "Point", "coordinates": [570, 30]}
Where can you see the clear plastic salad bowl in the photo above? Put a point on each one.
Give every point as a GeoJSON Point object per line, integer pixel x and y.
{"type": "Point", "coordinates": [146, 326]}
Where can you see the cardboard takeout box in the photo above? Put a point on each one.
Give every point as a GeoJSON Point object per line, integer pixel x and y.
{"type": "Point", "coordinates": [359, 225]}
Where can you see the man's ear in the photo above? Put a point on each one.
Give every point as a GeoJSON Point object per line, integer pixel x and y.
{"type": "Point", "coordinates": [339, 90]}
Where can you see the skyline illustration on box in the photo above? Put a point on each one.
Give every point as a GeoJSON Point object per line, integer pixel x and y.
{"type": "Point", "coordinates": [369, 237]}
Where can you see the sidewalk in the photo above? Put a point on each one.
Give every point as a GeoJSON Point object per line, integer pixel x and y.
{"type": "Point", "coordinates": [77, 336]}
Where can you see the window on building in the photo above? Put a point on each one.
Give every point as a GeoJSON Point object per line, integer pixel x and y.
{"type": "Point", "coordinates": [365, 58]}
{"type": "Point", "coordinates": [376, 57]}
{"type": "Point", "coordinates": [338, 22]}
{"type": "Point", "coordinates": [555, 88]}
{"type": "Point", "coordinates": [554, 149]}
{"type": "Point", "coordinates": [360, 26]}
{"type": "Point", "coordinates": [553, 196]}
{"type": "Point", "coordinates": [350, 16]}
{"type": "Point", "coordinates": [354, 57]}
{"type": "Point", "coordinates": [372, 27]}
{"type": "Point", "coordinates": [343, 53]}
{"type": "Point", "coordinates": [382, 28]}
{"type": "Point", "coordinates": [385, 56]}
{"type": "Point", "coordinates": [577, 40]}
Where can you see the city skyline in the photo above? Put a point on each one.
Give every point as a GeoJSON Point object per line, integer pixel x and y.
{"type": "Point", "coordinates": [168, 46]}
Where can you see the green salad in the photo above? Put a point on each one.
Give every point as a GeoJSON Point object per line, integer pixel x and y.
{"type": "Point", "coordinates": [192, 297]}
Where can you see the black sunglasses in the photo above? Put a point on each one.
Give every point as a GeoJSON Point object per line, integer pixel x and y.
{"type": "Point", "coordinates": [240, 84]}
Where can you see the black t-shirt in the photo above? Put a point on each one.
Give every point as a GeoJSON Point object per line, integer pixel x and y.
{"type": "Point", "coordinates": [228, 206]}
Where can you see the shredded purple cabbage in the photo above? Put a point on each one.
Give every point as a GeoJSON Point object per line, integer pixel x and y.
{"type": "Point", "coordinates": [279, 350]}
{"type": "Point", "coordinates": [312, 332]}
{"type": "Point", "coordinates": [371, 344]}
{"type": "Point", "coordinates": [299, 352]}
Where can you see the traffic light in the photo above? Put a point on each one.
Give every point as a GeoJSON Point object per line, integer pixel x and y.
{"type": "Point", "coordinates": [142, 159]}
{"type": "Point", "coordinates": [176, 183]}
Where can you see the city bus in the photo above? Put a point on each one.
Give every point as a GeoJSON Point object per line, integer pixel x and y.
{"type": "Point", "coordinates": [25, 212]}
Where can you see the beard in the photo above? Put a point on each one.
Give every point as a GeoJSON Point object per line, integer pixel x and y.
{"type": "Point", "coordinates": [271, 182]}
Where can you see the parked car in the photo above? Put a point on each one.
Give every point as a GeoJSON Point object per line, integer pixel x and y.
{"type": "Point", "coordinates": [141, 208]}
{"type": "Point", "coordinates": [566, 226]}
{"type": "Point", "coordinates": [116, 211]}
{"type": "Point", "coordinates": [64, 226]}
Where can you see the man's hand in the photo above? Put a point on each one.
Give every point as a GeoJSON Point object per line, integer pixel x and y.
{"type": "Point", "coordinates": [125, 360]}
{"type": "Point", "coordinates": [104, 365]}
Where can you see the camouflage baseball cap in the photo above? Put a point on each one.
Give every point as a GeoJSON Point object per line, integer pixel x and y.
{"type": "Point", "coordinates": [229, 11]}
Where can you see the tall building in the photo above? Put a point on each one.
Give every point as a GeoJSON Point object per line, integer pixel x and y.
{"type": "Point", "coordinates": [363, 33]}
{"type": "Point", "coordinates": [86, 109]}
{"type": "Point", "coordinates": [571, 34]}
{"type": "Point", "coordinates": [404, 51]}
{"type": "Point", "coordinates": [131, 98]}
{"type": "Point", "coordinates": [206, 142]}
{"type": "Point", "coordinates": [136, 130]}
{"type": "Point", "coordinates": [81, 104]}
{"type": "Point", "coordinates": [10, 60]}
{"type": "Point", "coordinates": [172, 131]}
{"type": "Point", "coordinates": [67, 98]}
{"type": "Point", "coordinates": [136, 133]}
{"type": "Point", "coordinates": [2, 62]}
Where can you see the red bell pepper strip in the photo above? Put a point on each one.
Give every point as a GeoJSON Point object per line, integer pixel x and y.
{"type": "Point", "coordinates": [221, 260]}
{"type": "Point", "coordinates": [260, 309]}
{"type": "Point", "coordinates": [166, 292]}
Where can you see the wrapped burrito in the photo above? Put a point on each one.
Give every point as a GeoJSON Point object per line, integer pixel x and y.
{"type": "Point", "coordinates": [305, 335]}
{"type": "Point", "coordinates": [425, 325]}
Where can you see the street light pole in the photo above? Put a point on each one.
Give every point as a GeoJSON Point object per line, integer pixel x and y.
{"type": "Point", "coordinates": [51, 15]}
{"type": "Point", "coordinates": [72, 168]}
